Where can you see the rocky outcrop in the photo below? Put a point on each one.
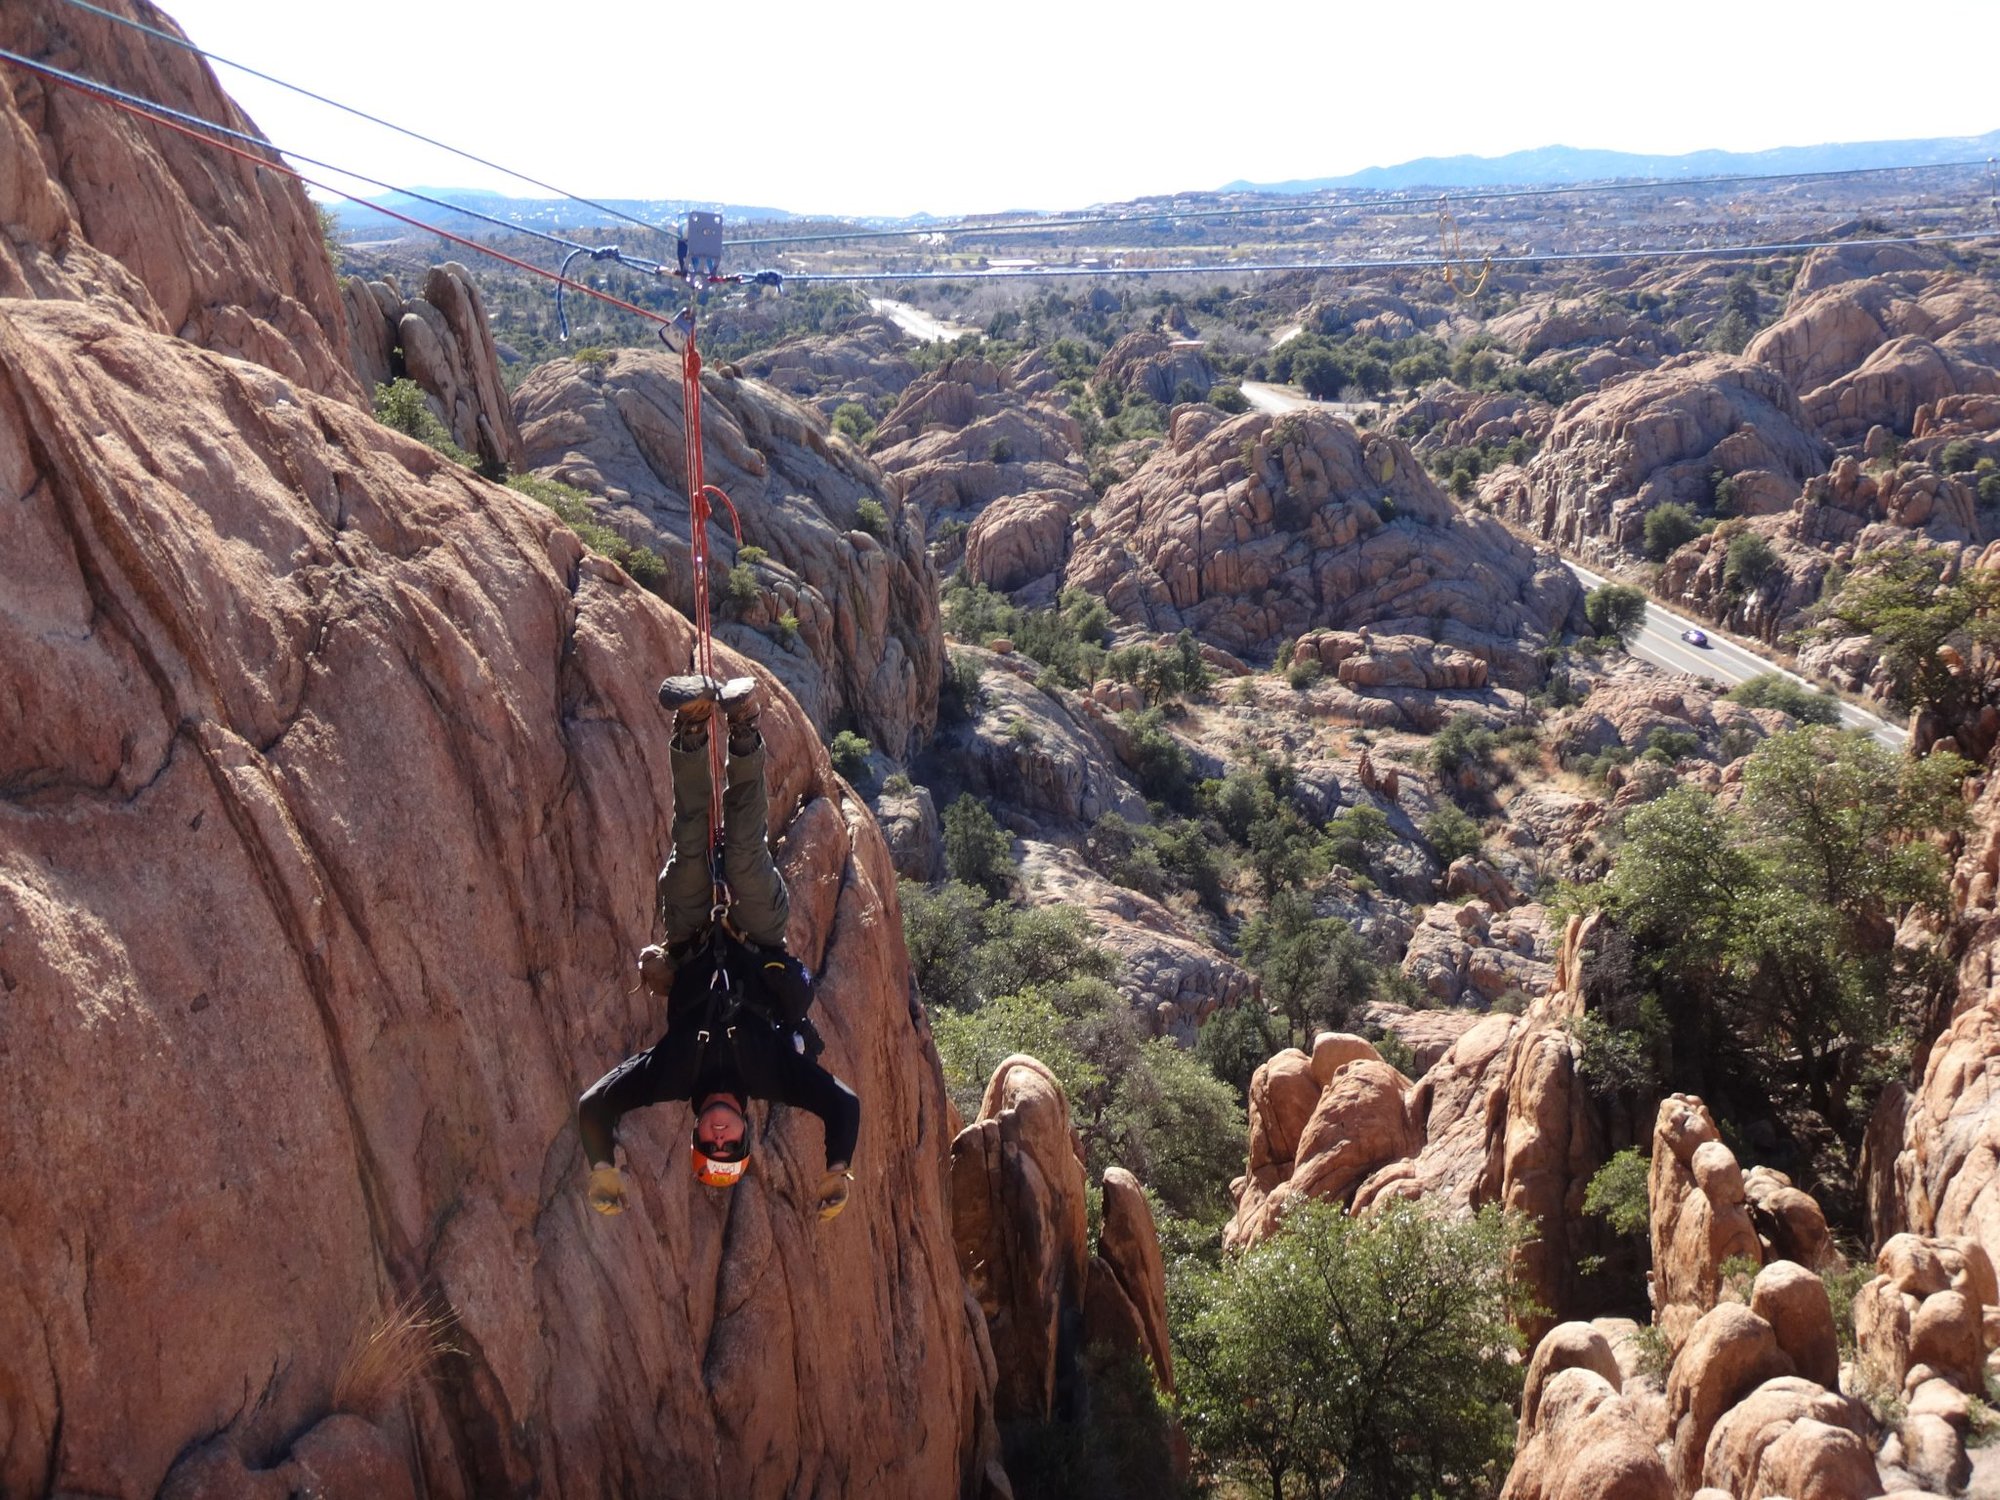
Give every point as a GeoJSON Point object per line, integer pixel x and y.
{"type": "Point", "coordinates": [1867, 341]}
{"type": "Point", "coordinates": [1932, 1158]}
{"type": "Point", "coordinates": [1700, 1216]}
{"type": "Point", "coordinates": [439, 339]}
{"type": "Point", "coordinates": [969, 433]}
{"type": "Point", "coordinates": [1580, 1437]}
{"type": "Point", "coordinates": [1017, 1213]}
{"type": "Point", "coordinates": [1257, 530]}
{"type": "Point", "coordinates": [865, 647]}
{"type": "Point", "coordinates": [1658, 437]}
{"type": "Point", "coordinates": [151, 227]}
{"type": "Point", "coordinates": [1043, 757]}
{"type": "Point", "coordinates": [1171, 973]}
{"type": "Point", "coordinates": [1922, 1317]}
{"type": "Point", "coordinates": [1634, 703]}
{"type": "Point", "coordinates": [1051, 1301]}
{"type": "Point", "coordinates": [1500, 1117]}
{"type": "Point", "coordinates": [862, 363]}
{"type": "Point", "coordinates": [1158, 366]}
{"type": "Point", "coordinates": [1470, 955]}
{"type": "Point", "coordinates": [390, 729]}
{"type": "Point", "coordinates": [1792, 1436]}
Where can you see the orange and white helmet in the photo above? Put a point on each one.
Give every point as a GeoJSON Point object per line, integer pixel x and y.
{"type": "Point", "coordinates": [719, 1171]}
{"type": "Point", "coordinates": [715, 1164]}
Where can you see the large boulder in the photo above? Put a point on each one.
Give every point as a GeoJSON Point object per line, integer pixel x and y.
{"type": "Point", "coordinates": [1586, 1442]}
{"type": "Point", "coordinates": [1728, 1353]}
{"type": "Point", "coordinates": [1256, 530]}
{"type": "Point", "coordinates": [1793, 1437]}
{"type": "Point", "coordinates": [1158, 366]}
{"type": "Point", "coordinates": [864, 646]}
{"type": "Point", "coordinates": [278, 673]}
{"type": "Point", "coordinates": [862, 362]}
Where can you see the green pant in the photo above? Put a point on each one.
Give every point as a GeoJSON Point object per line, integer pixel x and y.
{"type": "Point", "coordinates": [762, 906]}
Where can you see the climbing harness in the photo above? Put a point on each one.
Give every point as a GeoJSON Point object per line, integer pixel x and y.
{"type": "Point", "coordinates": [1452, 254]}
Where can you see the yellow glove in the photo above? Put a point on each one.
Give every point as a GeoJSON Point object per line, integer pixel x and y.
{"type": "Point", "coordinates": [833, 1191]}
{"type": "Point", "coordinates": [607, 1190]}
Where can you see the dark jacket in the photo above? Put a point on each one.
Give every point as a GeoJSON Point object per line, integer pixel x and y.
{"type": "Point", "coordinates": [748, 1037]}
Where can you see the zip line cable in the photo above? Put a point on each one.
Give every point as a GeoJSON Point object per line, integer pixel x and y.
{"type": "Point", "coordinates": [171, 119]}
{"type": "Point", "coordinates": [362, 114]}
{"type": "Point", "coordinates": [1389, 201]}
{"type": "Point", "coordinates": [146, 110]}
{"type": "Point", "coordinates": [166, 112]}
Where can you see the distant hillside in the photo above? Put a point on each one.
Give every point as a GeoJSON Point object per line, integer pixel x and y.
{"type": "Point", "coordinates": [1571, 164]}
{"type": "Point", "coordinates": [358, 222]}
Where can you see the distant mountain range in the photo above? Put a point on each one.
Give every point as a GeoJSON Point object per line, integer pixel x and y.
{"type": "Point", "coordinates": [1570, 164]}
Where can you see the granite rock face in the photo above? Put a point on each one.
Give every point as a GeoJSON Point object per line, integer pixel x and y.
{"type": "Point", "coordinates": [1658, 437]}
{"type": "Point", "coordinates": [1255, 530]}
{"type": "Point", "coordinates": [864, 647]}
{"type": "Point", "coordinates": [447, 349]}
{"type": "Point", "coordinates": [305, 683]}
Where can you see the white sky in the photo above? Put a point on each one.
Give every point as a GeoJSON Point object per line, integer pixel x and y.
{"type": "Point", "coordinates": [900, 106]}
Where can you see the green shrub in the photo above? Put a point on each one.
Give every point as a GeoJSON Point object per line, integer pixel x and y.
{"type": "Point", "coordinates": [851, 421]}
{"type": "Point", "coordinates": [1617, 1193]}
{"type": "Point", "coordinates": [977, 850]}
{"type": "Point", "coordinates": [1304, 672]}
{"type": "Point", "coordinates": [849, 753]}
{"type": "Point", "coordinates": [898, 784]}
{"type": "Point", "coordinates": [1365, 1355]}
{"type": "Point", "coordinates": [401, 404]}
{"type": "Point", "coordinates": [1749, 558]}
{"type": "Point", "coordinates": [1615, 611]}
{"type": "Point", "coordinates": [1451, 834]}
{"type": "Point", "coordinates": [1229, 398]}
{"type": "Point", "coordinates": [1958, 456]}
{"type": "Point", "coordinates": [1669, 526]}
{"type": "Point", "coordinates": [1775, 690]}
{"type": "Point", "coordinates": [869, 516]}
{"type": "Point", "coordinates": [739, 587]}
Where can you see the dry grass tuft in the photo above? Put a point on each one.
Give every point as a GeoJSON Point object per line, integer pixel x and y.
{"type": "Point", "coordinates": [389, 1359]}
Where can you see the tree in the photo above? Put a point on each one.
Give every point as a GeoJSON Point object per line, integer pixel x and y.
{"type": "Point", "coordinates": [1314, 970]}
{"type": "Point", "coordinates": [1618, 1193]}
{"type": "Point", "coordinates": [1452, 834]}
{"type": "Point", "coordinates": [1770, 931]}
{"type": "Point", "coordinates": [977, 850]}
{"type": "Point", "coordinates": [1912, 602]}
{"type": "Point", "coordinates": [1615, 612]}
{"type": "Point", "coordinates": [1668, 527]}
{"type": "Point", "coordinates": [1749, 558]}
{"type": "Point", "coordinates": [1364, 1357]}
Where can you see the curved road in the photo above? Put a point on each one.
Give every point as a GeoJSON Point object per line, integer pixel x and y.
{"type": "Point", "coordinates": [1659, 639]}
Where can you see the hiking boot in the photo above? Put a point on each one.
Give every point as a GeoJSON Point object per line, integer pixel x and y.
{"type": "Point", "coordinates": [740, 700]}
{"type": "Point", "coordinates": [691, 696]}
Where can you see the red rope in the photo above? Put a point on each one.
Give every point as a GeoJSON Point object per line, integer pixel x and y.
{"type": "Point", "coordinates": [700, 493]}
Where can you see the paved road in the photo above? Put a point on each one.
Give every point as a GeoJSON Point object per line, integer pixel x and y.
{"type": "Point", "coordinates": [1279, 399]}
{"type": "Point", "coordinates": [1659, 641]}
{"type": "Point", "coordinates": [917, 323]}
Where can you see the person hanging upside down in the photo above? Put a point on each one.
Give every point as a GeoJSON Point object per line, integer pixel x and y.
{"type": "Point", "coordinates": [737, 1000]}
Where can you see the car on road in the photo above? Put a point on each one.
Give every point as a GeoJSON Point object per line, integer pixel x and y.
{"type": "Point", "coordinates": [1695, 637]}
